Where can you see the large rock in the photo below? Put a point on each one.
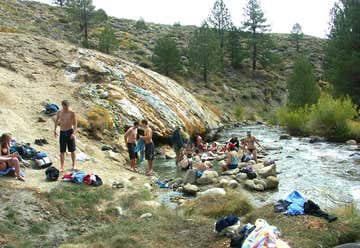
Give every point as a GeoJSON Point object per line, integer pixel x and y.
{"type": "Point", "coordinates": [208, 177]}
{"type": "Point", "coordinates": [249, 184]}
{"type": "Point", "coordinates": [190, 189]}
{"type": "Point", "coordinates": [351, 142]}
{"type": "Point", "coordinates": [241, 177]}
{"type": "Point", "coordinates": [316, 139]}
{"type": "Point", "coordinates": [213, 191]}
{"type": "Point", "coordinates": [267, 171]}
{"type": "Point", "coordinates": [285, 137]}
{"type": "Point", "coordinates": [190, 177]}
{"type": "Point", "coordinates": [231, 172]}
{"type": "Point", "coordinates": [272, 182]}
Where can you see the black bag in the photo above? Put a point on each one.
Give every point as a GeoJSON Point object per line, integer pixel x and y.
{"type": "Point", "coordinates": [98, 182]}
{"type": "Point", "coordinates": [52, 174]}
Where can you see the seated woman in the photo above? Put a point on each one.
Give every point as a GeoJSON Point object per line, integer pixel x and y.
{"type": "Point", "coordinates": [232, 159]}
{"type": "Point", "coordinates": [186, 162]}
{"type": "Point", "coordinates": [11, 162]}
{"type": "Point", "coordinates": [5, 149]}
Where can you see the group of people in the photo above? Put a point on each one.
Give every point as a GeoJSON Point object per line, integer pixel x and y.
{"type": "Point", "coordinates": [134, 136]}
{"type": "Point", "coordinates": [200, 154]}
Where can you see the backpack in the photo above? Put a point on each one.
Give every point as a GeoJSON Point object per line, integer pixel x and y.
{"type": "Point", "coordinates": [225, 222]}
{"type": "Point", "coordinates": [51, 109]}
{"type": "Point", "coordinates": [26, 152]}
{"type": "Point", "coordinates": [97, 182]}
{"type": "Point", "coordinates": [52, 174]}
{"type": "Point", "coordinates": [43, 163]}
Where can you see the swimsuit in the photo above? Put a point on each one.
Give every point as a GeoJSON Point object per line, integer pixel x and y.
{"type": "Point", "coordinates": [234, 162]}
{"type": "Point", "coordinates": [67, 141]}
{"type": "Point", "coordinates": [131, 150]}
{"type": "Point", "coordinates": [149, 151]}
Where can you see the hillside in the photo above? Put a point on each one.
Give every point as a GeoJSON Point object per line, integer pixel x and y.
{"type": "Point", "coordinates": [257, 93]}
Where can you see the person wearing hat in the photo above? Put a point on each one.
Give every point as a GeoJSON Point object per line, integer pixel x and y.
{"type": "Point", "coordinates": [232, 159]}
{"type": "Point", "coordinates": [249, 144]}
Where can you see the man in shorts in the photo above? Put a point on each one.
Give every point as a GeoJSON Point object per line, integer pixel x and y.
{"type": "Point", "coordinates": [130, 141]}
{"type": "Point", "coordinates": [67, 121]}
{"type": "Point", "coordinates": [149, 145]}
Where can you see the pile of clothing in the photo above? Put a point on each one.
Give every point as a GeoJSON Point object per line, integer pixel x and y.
{"type": "Point", "coordinates": [82, 177]}
{"type": "Point", "coordinates": [261, 234]}
{"type": "Point", "coordinates": [249, 172]}
{"type": "Point", "coordinates": [296, 204]}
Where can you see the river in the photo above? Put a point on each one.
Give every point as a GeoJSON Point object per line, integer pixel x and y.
{"type": "Point", "coordinates": [324, 172]}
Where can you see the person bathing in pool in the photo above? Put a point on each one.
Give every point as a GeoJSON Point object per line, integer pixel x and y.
{"type": "Point", "coordinates": [67, 121]}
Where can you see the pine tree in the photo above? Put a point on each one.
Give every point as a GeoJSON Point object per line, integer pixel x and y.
{"type": "Point", "coordinates": [166, 57]}
{"type": "Point", "coordinates": [256, 25]}
{"type": "Point", "coordinates": [234, 47]}
{"type": "Point", "coordinates": [302, 85]}
{"type": "Point", "coordinates": [342, 54]}
{"type": "Point", "coordinates": [81, 13]}
{"type": "Point", "coordinates": [60, 2]}
{"type": "Point", "coordinates": [204, 51]}
{"type": "Point", "coordinates": [296, 35]}
{"type": "Point", "coordinates": [220, 19]}
{"type": "Point", "coordinates": [107, 40]}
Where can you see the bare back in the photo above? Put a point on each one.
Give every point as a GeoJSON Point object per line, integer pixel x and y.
{"type": "Point", "coordinates": [66, 120]}
{"type": "Point", "coordinates": [250, 142]}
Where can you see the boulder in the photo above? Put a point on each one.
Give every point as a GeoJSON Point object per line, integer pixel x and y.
{"type": "Point", "coordinates": [315, 139]}
{"type": "Point", "coordinates": [190, 177]}
{"type": "Point", "coordinates": [259, 187]}
{"type": "Point", "coordinates": [208, 177]}
{"type": "Point", "coordinates": [351, 142]}
{"type": "Point", "coordinates": [285, 137]}
{"type": "Point", "coordinates": [261, 182]}
{"type": "Point", "coordinates": [249, 184]}
{"type": "Point", "coordinates": [190, 189]}
{"type": "Point", "coordinates": [267, 171]}
{"type": "Point", "coordinates": [213, 191]}
{"type": "Point", "coordinates": [231, 172]}
{"type": "Point", "coordinates": [272, 182]}
{"type": "Point", "coordinates": [241, 177]}
{"type": "Point", "coordinates": [233, 184]}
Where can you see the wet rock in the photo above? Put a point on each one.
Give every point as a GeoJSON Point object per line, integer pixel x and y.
{"type": "Point", "coordinates": [213, 191]}
{"type": "Point", "coordinates": [190, 189]}
{"type": "Point", "coordinates": [272, 182]}
{"type": "Point", "coordinates": [267, 171]}
{"type": "Point", "coordinates": [231, 172]}
{"type": "Point", "coordinates": [351, 142]}
{"type": "Point", "coordinates": [208, 177]}
{"type": "Point", "coordinates": [285, 137]}
{"type": "Point", "coordinates": [190, 177]}
{"type": "Point", "coordinates": [315, 139]}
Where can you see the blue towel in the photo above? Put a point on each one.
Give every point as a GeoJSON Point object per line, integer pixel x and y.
{"type": "Point", "coordinates": [140, 147]}
{"type": "Point", "coordinates": [78, 177]}
{"type": "Point", "coordinates": [297, 203]}
{"type": "Point", "coordinates": [7, 171]}
{"type": "Point", "coordinates": [162, 185]}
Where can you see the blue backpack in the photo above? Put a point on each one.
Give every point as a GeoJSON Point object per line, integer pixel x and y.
{"type": "Point", "coordinates": [51, 109]}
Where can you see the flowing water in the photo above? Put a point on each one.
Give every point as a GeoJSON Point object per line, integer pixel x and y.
{"type": "Point", "coordinates": [324, 172]}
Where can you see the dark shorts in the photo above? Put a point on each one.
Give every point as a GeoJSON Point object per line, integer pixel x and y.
{"type": "Point", "coordinates": [131, 150]}
{"type": "Point", "coordinates": [251, 150]}
{"type": "Point", "coordinates": [232, 166]}
{"type": "Point", "coordinates": [66, 141]}
{"type": "Point", "coordinates": [149, 151]}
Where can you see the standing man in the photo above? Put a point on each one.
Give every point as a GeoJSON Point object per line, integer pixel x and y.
{"type": "Point", "coordinates": [149, 145]}
{"type": "Point", "coordinates": [130, 141]}
{"type": "Point", "coordinates": [249, 143]}
{"type": "Point", "coordinates": [67, 120]}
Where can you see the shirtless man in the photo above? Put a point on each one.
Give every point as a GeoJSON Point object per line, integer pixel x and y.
{"type": "Point", "coordinates": [249, 142]}
{"type": "Point", "coordinates": [149, 145]}
{"type": "Point", "coordinates": [67, 120]}
{"type": "Point", "coordinates": [130, 141]}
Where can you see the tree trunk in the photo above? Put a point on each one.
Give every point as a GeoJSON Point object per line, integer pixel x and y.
{"type": "Point", "coordinates": [86, 27]}
{"type": "Point", "coordinates": [254, 55]}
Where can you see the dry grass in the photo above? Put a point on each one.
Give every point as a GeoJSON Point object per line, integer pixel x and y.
{"type": "Point", "coordinates": [233, 203]}
{"type": "Point", "coordinates": [7, 30]}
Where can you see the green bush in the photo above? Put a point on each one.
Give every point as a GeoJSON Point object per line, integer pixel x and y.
{"type": "Point", "coordinates": [140, 24]}
{"type": "Point", "coordinates": [329, 117]}
{"type": "Point", "coordinates": [294, 120]}
{"type": "Point", "coordinates": [239, 113]}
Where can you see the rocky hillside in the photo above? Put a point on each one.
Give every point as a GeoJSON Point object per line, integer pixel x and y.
{"type": "Point", "coordinates": [256, 93]}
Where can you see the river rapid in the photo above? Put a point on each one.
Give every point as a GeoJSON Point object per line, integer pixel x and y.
{"type": "Point", "coordinates": [327, 173]}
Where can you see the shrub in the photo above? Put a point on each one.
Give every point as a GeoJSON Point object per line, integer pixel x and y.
{"type": "Point", "coordinates": [329, 117]}
{"type": "Point", "coordinates": [354, 129]}
{"type": "Point", "coordinates": [294, 120]}
{"type": "Point", "coordinates": [140, 24]}
{"type": "Point", "coordinates": [239, 113]}
{"type": "Point", "coordinates": [99, 120]}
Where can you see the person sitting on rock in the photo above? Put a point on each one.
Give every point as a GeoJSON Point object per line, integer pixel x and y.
{"type": "Point", "coordinates": [11, 161]}
{"type": "Point", "coordinates": [232, 159]}
{"type": "Point", "coordinates": [234, 140]}
{"type": "Point", "coordinates": [187, 162]}
{"type": "Point", "coordinates": [5, 149]}
{"type": "Point", "coordinates": [200, 143]}
{"type": "Point", "coordinates": [249, 144]}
